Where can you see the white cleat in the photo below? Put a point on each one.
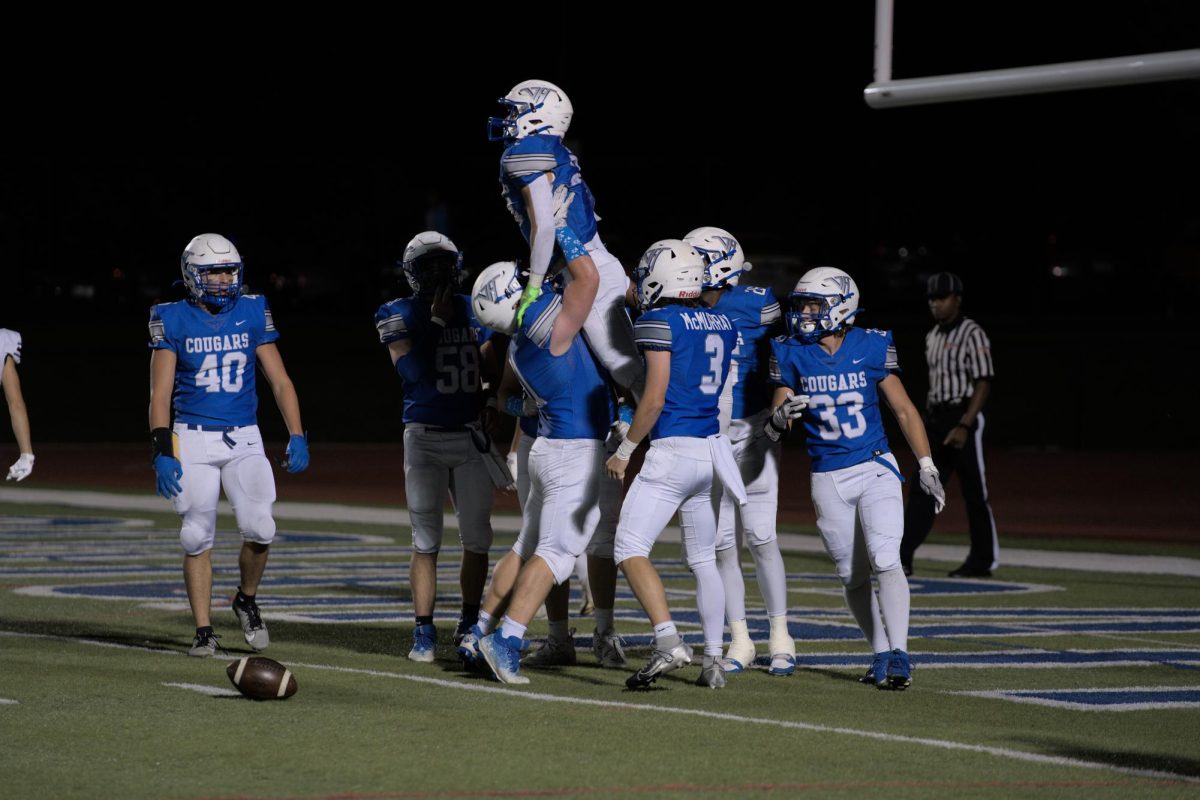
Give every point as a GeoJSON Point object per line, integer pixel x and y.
{"type": "Point", "coordinates": [608, 649]}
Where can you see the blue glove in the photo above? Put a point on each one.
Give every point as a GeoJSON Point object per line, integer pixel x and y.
{"type": "Point", "coordinates": [168, 471]}
{"type": "Point", "coordinates": [297, 453]}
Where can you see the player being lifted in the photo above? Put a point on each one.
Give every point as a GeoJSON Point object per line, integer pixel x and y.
{"type": "Point", "coordinates": [540, 177]}
{"type": "Point", "coordinates": [687, 350]}
{"type": "Point", "coordinates": [830, 375]}
{"type": "Point", "coordinates": [745, 406]}
{"type": "Point", "coordinates": [205, 352]}
{"type": "Point", "coordinates": [440, 351]}
{"type": "Point", "coordinates": [575, 410]}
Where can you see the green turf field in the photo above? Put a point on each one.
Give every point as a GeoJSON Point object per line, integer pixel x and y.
{"type": "Point", "coordinates": [98, 699]}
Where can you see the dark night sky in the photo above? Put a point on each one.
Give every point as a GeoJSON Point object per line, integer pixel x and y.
{"type": "Point", "coordinates": [319, 148]}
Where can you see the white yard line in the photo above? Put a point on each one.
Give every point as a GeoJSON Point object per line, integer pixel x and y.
{"type": "Point", "coordinates": [941, 744]}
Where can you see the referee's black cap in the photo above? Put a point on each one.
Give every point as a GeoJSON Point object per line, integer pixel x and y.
{"type": "Point", "coordinates": [943, 284]}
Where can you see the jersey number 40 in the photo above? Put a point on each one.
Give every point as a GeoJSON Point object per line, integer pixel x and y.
{"type": "Point", "coordinates": [224, 378]}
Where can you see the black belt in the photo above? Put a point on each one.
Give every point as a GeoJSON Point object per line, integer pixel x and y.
{"type": "Point", "coordinates": [215, 428]}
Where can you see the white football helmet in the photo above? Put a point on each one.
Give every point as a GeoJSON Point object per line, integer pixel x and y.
{"type": "Point", "coordinates": [533, 107]}
{"type": "Point", "coordinates": [495, 295]}
{"type": "Point", "coordinates": [431, 260]}
{"type": "Point", "coordinates": [724, 256]}
{"type": "Point", "coordinates": [668, 268]}
{"type": "Point", "coordinates": [838, 294]}
{"type": "Point", "coordinates": [204, 254]}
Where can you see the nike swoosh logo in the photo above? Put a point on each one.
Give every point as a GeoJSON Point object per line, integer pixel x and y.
{"type": "Point", "coordinates": [860, 360]}
{"type": "Point", "coordinates": [243, 322]}
{"type": "Point", "coordinates": [880, 474]}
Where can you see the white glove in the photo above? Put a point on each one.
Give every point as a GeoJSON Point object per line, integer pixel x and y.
{"type": "Point", "coordinates": [931, 483]}
{"type": "Point", "coordinates": [20, 470]}
{"type": "Point", "coordinates": [792, 408]}
{"type": "Point", "coordinates": [563, 197]}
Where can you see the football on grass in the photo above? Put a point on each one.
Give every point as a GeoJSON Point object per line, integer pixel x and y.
{"type": "Point", "coordinates": [261, 678]}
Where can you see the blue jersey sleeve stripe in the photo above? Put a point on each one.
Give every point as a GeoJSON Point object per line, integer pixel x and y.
{"type": "Point", "coordinates": [157, 331]}
{"type": "Point", "coordinates": [652, 334]}
{"type": "Point", "coordinates": [770, 313]}
{"type": "Point", "coordinates": [773, 371]}
{"type": "Point", "coordinates": [270, 320]}
{"type": "Point", "coordinates": [891, 361]}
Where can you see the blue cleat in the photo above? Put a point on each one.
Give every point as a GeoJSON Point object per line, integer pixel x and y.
{"type": "Point", "coordinates": [468, 648]}
{"type": "Point", "coordinates": [503, 655]}
{"type": "Point", "coordinates": [876, 674]}
{"type": "Point", "coordinates": [899, 671]}
{"type": "Point", "coordinates": [424, 644]}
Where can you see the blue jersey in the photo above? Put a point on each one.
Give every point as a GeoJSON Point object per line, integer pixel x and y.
{"type": "Point", "coordinates": [701, 343]}
{"type": "Point", "coordinates": [526, 160]}
{"type": "Point", "coordinates": [448, 390]}
{"type": "Point", "coordinates": [574, 400]}
{"type": "Point", "coordinates": [214, 357]}
{"type": "Point", "coordinates": [754, 311]}
{"type": "Point", "coordinates": [842, 422]}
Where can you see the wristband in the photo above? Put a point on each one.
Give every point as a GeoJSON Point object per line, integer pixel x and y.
{"type": "Point", "coordinates": [160, 442]}
{"type": "Point", "coordinates": [625, 449]}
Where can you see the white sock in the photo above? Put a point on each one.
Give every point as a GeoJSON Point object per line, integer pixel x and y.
{"type": "Point", "coordinates": [604, 619]}
{"type": "Point", "coordinates": [665, 629]}
{"type": "Point", "coordinates": [510, 628]}
{"type": "Point", "coordinates": [894, 606]}
{"type": "Point", "coordinates": [781, 640]}
{"type": "Point", "coordinates": [728, 564]}
{"type": "Point", "coordinates": [486, 622]}
{"type": "Point", "coordinates": [865, 609]}
{"type": "Point", "coordinates": [772, 578]}
{"type": "Point", "coordinates": [710, 601]}
{"type": "Point", "coordinates": [739, 633]}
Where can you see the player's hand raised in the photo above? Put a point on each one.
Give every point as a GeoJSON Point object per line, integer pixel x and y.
{"type": "Point", "coordinates": [443, 303]}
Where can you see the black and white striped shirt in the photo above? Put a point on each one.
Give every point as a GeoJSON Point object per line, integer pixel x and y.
{"type": "Point", "coordinates": [957, 357]}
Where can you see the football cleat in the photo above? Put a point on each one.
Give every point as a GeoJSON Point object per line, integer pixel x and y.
{"type": "Point", "coordinates": [661, 662]}
{"type": "Point", "coordinates": [899, 671]}
{"type": "Point", "coordinates": [253, 628]}
{"type": "Point", "coordinates": [204, 645]}
{"type": "Point", "coordinates": [553, 653]}
{"type": "Point", "coordinates": [781, 665]}
{"type": "Point", "coordinates": [713, 674]}
{"type": "Point", "coordinates": [424, 644]}
{"type": "Point", "coordinates": [503, 655]}
{"type": "Point", "coordinates": [463, 627]}
{"type": "Point", "coordinates": [468, 648]}
{"type": "Point", "coordinates": [739, 656]}
{"type": "Point", "coordinates": [609, 650]}
{"type": "Point", "coordinates": [876, 674]}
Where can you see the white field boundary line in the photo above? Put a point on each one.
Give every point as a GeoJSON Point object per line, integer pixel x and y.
{"type": "Point", "coordinates": [211, 691]}
{"type": "Point", "coordinates": [1030, 696]}
{"type": "Point", "coordinates": [507, 523]}
{"type": "Point", "coordinates": [942, 744]}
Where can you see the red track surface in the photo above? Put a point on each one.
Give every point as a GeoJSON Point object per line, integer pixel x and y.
{"type": "Point", "coordinates": [1103, 495]}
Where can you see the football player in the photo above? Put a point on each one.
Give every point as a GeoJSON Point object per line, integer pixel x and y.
{"type": "Point", "coordinates": [575, 411]}
{"type": "Point", "coordinates": [205, 352]}
{"type": "Point", "coordinates": [830, 375]}
{"type": "Point", "coordinates": [440, 351]}
{"type": "Point", "coordinates": [745, 406]}
{"type": "Point", "coordinates": [687, 350]}
{"type": "Point", "coordinates": [540, 180]}
{"type": "Point", "coordinates": [10, 356]}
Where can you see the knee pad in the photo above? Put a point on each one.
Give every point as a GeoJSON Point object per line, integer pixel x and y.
{"type": "Point", "coordinates": [476, 538]}
{"type": "Point", "coordinates": [628, 544]}
{"type": "Point", "coordinates": [196, 535]}
{"type": "Point", "coordinates": [259, 529]}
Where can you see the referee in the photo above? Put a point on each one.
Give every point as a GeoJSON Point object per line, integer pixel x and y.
{"type": "Point", "coordinates": [960, 378]}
